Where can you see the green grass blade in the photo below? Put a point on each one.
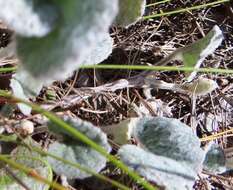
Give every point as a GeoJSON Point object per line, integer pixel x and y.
{"type": "Point", "coordinates": [185, 9]}
{"type": "Point", "coordinates": [100, 176]}
{"type": "Point", "coordinates": [14, 139]}
{"type": "Point", "coordinates": [160, 68]}
{"type": "Point", "coordinates": [30, 172]}
{"type": "Point", "coordinates": [7, 69]}
{"type": "Point", "coordinates": [157, 3]}
{"type": "Point", "coordinates": [83, 138]}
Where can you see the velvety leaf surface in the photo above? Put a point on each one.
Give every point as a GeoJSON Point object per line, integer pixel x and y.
{"type": "Point", "coordinates": [163, 171]}
{"type": "Point", "coordinates": [102, 50]}
{"type": "Point", "coordinates": [169, 138]}
{"type": "Point", "coordinates": [194, 54]}
{"type": "Point", "coordinates": [25, 90]}
{"type": "Point", "coordinates": [215, 160]}
{"type": "Point", "coordinates": [80, 37]}
{"type": "Point", "coordinates": [37, 17]}
{"type": "Point", "coordinates": [130, 11]}
{"type": "Point", "coordinates": [24, 86]}
{"type": "Point", "coordinates": [30, 159]}
{"type": "Point", "coordinates": [39, 165]}
{"type": "Point", "coordinates": [76, 151]}
{"type": "Point", "coordinates": [81, 26]}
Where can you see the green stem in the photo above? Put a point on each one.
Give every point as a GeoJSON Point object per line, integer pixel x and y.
{"type": "Point", "coordinates": [185, 9]}
{"type": "Point", "coordinates": [30, 172]}
{"type": "Point", "coordinates": [83, 138]}
{"type": "Point", "coordinates": [102, 177]}
{"type": "Point", "coordinates": [157, 3]}
{"type": "Point", "coordinates": [7, 69]}
{"type": "Point", "coordinates": [160, 68]}
{"type": "Point", "coordinates": [14, 139]}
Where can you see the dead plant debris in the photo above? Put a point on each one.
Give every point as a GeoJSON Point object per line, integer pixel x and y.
{"type": "Point", "coordinates": [146, 43]}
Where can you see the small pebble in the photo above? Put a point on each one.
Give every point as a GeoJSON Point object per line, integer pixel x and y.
{"type": "Point", "coordinates": [26, 127]}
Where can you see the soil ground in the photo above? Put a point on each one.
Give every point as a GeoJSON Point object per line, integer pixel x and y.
{"type": "Point", "coordinates": [145, 43]}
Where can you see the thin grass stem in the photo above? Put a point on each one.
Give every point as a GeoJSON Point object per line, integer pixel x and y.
{"type": "Point", "coordinates": [76, 134]}
{"type": "Point", "coordinates": [30, 172]}
{"type": "Point", "coordinates": [157, 3]}
{"type": "Point", "coordinates": [160, 68]}
{"type": "Point", "coordinates": [185, 9]}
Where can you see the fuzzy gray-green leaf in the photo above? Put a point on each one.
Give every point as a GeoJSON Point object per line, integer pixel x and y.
{"type": "Point", "coordinates": [79, 36]}
{"type": "Point", "coordinates": [28, 158]}
{"type": "Point", "coordinates": [130, 11]}
{"type": "Point", "coordinates": [169, 138]}
{"type": "Point", "coordinates": [29, 17]}
{"type": "Point", "coordinates": [194, 54]}
{"type": "Point", "coordinates": [76, 151]}
{"type": "Point", "coordinates": [81, 26]}
{"type": "Point", "coordinates": [215, 160]}
{"type": "Point", "coordinates": [163, 171]}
